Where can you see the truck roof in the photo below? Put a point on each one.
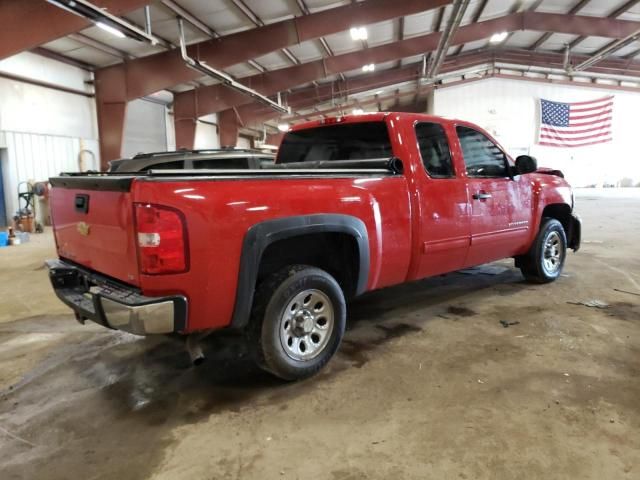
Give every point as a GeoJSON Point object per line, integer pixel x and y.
{"type": "Point", "coordinates": [374, 117]}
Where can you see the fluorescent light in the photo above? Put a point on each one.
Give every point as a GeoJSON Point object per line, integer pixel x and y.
{"type": "Point", "coordinates": [357, 111]}
{"type": "Point", "coordinates": [283, 127]}
{"type": "Point", "coordinates": [379, 92]}
{"type": "Point", "coordinates": [498, 37]}
{"type": "Point", "coordinates": [110, 29]}
{"type": "Point", "coordinates": [359, 33]}
{"type": "Point", "coordinates": [369, 68]}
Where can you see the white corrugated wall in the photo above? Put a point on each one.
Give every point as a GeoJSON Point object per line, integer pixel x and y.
{"type": "Point", "coordinates": [508, 109]}
{"type": "Point", "coordinates": [36, 157]}
{"type": "Point", "coordinates": [43, 130]}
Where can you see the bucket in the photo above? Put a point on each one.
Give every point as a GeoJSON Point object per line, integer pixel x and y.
{"type": "Point", "coordinates": [4, 239]}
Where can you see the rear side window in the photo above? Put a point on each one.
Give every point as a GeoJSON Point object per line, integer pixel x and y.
{"type": "Point", "coordinates": [347, 141]}
{"type": "Point", "coordinates": [176, 165]}
{"type": "Point", "coordinates": [434, 150]}
{"type": "Point", "coordinates": [482, 157]}
{"type": "Point", "coordinates": [222, 163]}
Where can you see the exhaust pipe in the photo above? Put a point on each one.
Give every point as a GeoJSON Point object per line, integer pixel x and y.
{"type": "Point", "coordinates": [194, 348]}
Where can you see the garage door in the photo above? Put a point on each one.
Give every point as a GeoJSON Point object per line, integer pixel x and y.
{"type": "Point", "coordinates": [145, 128]}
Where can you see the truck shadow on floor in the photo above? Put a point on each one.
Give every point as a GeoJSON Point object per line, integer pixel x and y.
{"type": "Point", "coordinates": [142, 373]}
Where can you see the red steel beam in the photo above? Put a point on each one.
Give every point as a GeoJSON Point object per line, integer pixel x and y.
{"type": "Point", "coordinates": [614, 14]}
{"type": "Point", "coordinates": [27, 24]}
{"type": "Point", "coordinates": [147, 75]}
{"type": "Point", "coordinates": [303, 98]}
{"type": "Point", "coordinates": [310, 96]}
{"type": "Point", "coordinates": [575, 9]}
{"type": "Point", "coordinates": [216, 98]}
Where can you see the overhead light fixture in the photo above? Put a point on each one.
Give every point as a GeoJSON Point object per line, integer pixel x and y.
{"type": "Point", "coordinates": [357, 111]}
{"type": "Point", "coordinates": [283, 127]}
{"type": "Point", "coordinates": [110, 29]}
{"type": "Point", "coordinates": [104, 20]}
{"type": "Point", "coordinates": [498, 37]}
{"type": "Point", "coordinates": [359, 33]}
{"type": "Point", "coordinates": [379, 92]}
{"type": "Point", "coordinates": [369, 67]}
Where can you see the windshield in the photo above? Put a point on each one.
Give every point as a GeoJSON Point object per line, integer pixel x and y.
{"type": "Point", "coordinates": [346, 141]}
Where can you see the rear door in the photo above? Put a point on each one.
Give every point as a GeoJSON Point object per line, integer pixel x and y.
{"type": "Point", "coordinates": [498, 218]}
{"type": "Point", "coordinates": [444, 213]}
{"type": "Point", "coordinates": [93, 224]}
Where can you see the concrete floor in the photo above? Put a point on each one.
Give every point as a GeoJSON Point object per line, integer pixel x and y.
{"type": "Point", "coordinates": [428, 384]}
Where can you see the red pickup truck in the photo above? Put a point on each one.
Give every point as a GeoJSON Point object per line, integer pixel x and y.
{"type": "Point", "coordinates": [353, 204]}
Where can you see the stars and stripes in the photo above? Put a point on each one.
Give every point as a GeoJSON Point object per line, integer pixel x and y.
{"type": "Point", "coordinates": [575, 124]}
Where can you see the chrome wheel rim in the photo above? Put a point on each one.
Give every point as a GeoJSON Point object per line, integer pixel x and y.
{"type": "Point", "coordinates": [306, 325]}
{"type": "Point", "coordinates": [552, 254]}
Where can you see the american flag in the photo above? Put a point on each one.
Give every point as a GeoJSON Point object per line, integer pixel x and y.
{"type": "Point", "coordinates": [575, 124]}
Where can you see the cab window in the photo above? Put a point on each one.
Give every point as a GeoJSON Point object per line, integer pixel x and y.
{"type": "Point", "coordinates": [482, 157]}
{"type": "Point", "coordinates": [434, 150]}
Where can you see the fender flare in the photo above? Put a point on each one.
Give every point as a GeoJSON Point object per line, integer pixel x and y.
{"type": "Point", "coordinates": [263, 234]}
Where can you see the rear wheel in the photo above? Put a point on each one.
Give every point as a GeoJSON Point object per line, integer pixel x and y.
{"type": "Point", "coordinates": [297, 322]}
{"type": "Point", "coordinates": [544, 261]}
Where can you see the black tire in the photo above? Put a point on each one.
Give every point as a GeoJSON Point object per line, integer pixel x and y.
{"type": "Point", "coordinates": [551, 238]}
{"type": "Point", "coordinates": [268, 320]}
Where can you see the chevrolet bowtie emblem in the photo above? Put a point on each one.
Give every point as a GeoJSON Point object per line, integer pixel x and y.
{"type": "Point", "coordinates": [83, 228]}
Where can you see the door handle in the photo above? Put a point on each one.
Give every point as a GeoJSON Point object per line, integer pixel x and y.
{"type": "Point", "coordinates": [481, 196]}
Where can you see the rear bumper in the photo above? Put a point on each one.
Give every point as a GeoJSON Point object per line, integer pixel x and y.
{"type": "Point", "coordinates": [115, 305]}
{"type": "Point", "coordinates": [575, 232]}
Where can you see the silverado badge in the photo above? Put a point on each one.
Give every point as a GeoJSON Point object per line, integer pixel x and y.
{"type": "Point", "coordinates": [83, 228]}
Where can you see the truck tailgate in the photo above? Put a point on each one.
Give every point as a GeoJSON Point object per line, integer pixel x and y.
{"type": "Point", "coordinates": [94, 226]}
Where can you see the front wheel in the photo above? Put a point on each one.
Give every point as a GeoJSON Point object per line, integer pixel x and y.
{"type": "Point", "coordinates": [544, 261]}
{"type": "Point", "coordinates": [297, 321]}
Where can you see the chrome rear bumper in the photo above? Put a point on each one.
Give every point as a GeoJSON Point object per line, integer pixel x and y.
{"type": "Point", "coordinates": [114, 305]}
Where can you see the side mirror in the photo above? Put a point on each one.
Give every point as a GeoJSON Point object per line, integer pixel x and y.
{"type": "Point", "coordinates": [525, 164]}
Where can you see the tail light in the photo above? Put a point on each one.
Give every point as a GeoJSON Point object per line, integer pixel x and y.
{"type": "Point", "coordinates": [162, 239]}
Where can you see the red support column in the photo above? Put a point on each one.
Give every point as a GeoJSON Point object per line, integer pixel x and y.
{"type": "Point", "coordinates": [185, 117]}
{"type": "Point", "coordinates": [111, 105]}
{"type": "Point", "coordinates": [228, 128]}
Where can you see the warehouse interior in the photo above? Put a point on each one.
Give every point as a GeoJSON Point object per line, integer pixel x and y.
{"type": "Point", "coordinates": [475, 374]}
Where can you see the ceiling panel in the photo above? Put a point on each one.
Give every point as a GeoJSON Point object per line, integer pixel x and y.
{"type": "Point", "coordinates": [499, 8]}
{"type": "Point", "coordinates": [600, 8]}
{"type": "Point", "coordinates": [273, 61]}
{"type": "Point", "coordinates": [632, 14]}
{"type": "Point", "coordinates": [557, 41]}
{"type": "Point", "coordinates": [241, 70]}
{"type": "Point", "coordinates": [218, 14]}
{"type": "Point", "coordinates": [623, 52]}
{"type": "Point", "coordinates": [271, 11]}
{"type": "Point", "coordinates": [556, 6]}
{"type": "Point", "coordinates": [380, 33]}
{"type": "Point", "coordinates": [307, 51]}
{"type": "Point", "coordinates": [342, 43]}
{"type": "Point", "coordinates": [468, 47]}
{"type": "Point", "coordinates": [63, 45]}
{"type": "Point", "coordinates": [92, 56]}
{"type": "Point", "coordinates": [410, 60]}
{"type": "Point", "coordinates": [319, 5]}
{"type": "Point", "coordinates": [419, 23]}
{"type": "Point", "coordinates": [522, 39]}
{"type": "Point", "coordinates": [590, 45]}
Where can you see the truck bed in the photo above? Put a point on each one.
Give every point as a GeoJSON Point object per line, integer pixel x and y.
{"type": "Point", "coordinates": [377, 195]}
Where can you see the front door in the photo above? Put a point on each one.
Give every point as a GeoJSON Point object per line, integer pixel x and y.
{"type": "Point", "coordinates": [498, 220]}
{"type": "Point", "coordinates": [444, 212]}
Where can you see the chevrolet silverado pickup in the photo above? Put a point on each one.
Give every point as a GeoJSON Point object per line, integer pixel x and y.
{"type": "Point", "coordinates": [353, 204]}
